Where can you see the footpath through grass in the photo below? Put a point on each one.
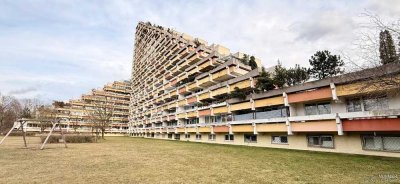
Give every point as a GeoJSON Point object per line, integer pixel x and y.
{"type": "Point", "coordinates": [139, 160]}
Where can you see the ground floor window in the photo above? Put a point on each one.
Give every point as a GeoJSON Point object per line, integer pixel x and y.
{"type": "Point", "coordinates": [162, 135]}
{"type": "Point", "coordinates": [169, 136]}
{"type": "Point", "coordinates": [381, 143]}
{"type": "Point", "coordinates": [187, 136]}
{"type": "Point", "coordinates": [279, 139]}
{"type": "Point", "coordinates": [177, 136]}
{"type": "Point", "coordinates": [211, 137]}
{"type": "Point", "coordinates": [198, 136]}
{"type": "Point", "coordinates": [229, 137]}
{"type": "Point", "coordinates": [250, 138]}
{"type": "Point", "coordinates": [323, 141]}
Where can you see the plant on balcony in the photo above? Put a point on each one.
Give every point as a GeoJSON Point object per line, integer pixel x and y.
{"type": "Point", "coordinates": [238, 93]}
{"type": "Point", "coordinates": [253, 63]}
{"type": "Point", "coordinates": [296, 75]}
{"type": "Point", "coordinates": [324, 65]}
{"type": "Point", "coordinates": [264, 81]}
{"type": "Point", "coordinates": [245, 59]}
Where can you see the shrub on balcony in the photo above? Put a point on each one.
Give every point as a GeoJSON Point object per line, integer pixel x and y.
{"type": "Point", "coordinates": [238, 93]}
{"type": "Point", "coordinates": [264, 81]}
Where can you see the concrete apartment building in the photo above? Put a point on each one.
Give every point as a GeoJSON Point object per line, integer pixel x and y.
{"type": "Point", "coordinates": [180, 85]}
{"type": "Point", "coordinates": [75, 115]}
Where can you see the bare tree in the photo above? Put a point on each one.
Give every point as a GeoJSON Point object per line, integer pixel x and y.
{"type": "Point", "coordinates": [374, 75]}
{"type": "Point", "coordinates": [10, 111]}
{"type": "Point", "coordinates": [101, 114]}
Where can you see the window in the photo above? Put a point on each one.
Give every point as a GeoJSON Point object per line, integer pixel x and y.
{"type": "Point", "coordinates": [354, 105]}
{"type": "Point", "coordinates": [250, 138]}
{"type": "Point", "coordinates": [169, 136]}
{"type": "Point", "coordinates": [375, 103]}
{"type": "Point", "coordinates": [272, 112]}
{"type": "Point", "coordinates": [191, 121]}
{"type": "Point", "coordinates": [211, 137]}
{"type": "Point", "coordinates": [381, 143]}
{"type": "Point", "coordinates": [177, 136]}
{"type": "Point", "coordinates": [279, 139]}
{"type": "Point", "coordinates": [318, 108]}
{"type": "Point", "coordinates": [229, 137]}
{"type": "Point", "coordinates": [323, 141]}
{"type": "Point", "coordinates": [198, 136]}
{"type": "Point", "coordinates": [187, 136]}
{"type": "Point", "coordinates": [223, 118]}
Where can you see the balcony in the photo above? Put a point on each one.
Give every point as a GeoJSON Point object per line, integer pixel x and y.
{"type": "Point", "coordinates": [205, 82]}
{"type": "Point", "coordinates": [241, 106]}
{"type": "Point", "coordinates": [310, 95]}
{"type": "Point", "coordinates": [314, 126]}
{"type": "Point", "coordinates": [193, 86]}
{"type": "Point", "coordinates": [220, 110]}
{"type": "Point", "coordinates": [221, 129]}
{"type": "Point", "coordinates": [273, 127]}
{"type": "Point", "coordinates": [242, 128]}
{"type": "Point", "coordinates": [277, 113]}
{"type": "Point", "coordinates": [180, 130]}
{"type": "Point", "coordinates": [191, 114]}
{"type": "Point", "coordinates": [269, 102]}
{"type": "Point", "coordinates": [208, 65]}
{"type": "Point", "coordinates": [182, 102]}
{"type": "Point", "coordinates": [192, 100]}
{"type": "Point", "coordinates": [181, 116]}
{"type": "Point", "coordinates": [205, 112]}
{"type": "Point", "coordinates": [219, 91]}
{"type": "Point", "coordinates": [172, 105]}
{"type": "Point", "coordinates": [194, 58]}
{"type": "Point", "coordinates": [237, 71]}
{"type": "Point", "coordinates": [204, 129]}
{"type": "Point", "coordinates": [359, 125]}
{"type": "Point", "coordinates": [222, 75]}
{"type": "Point", "coordinates": [241, 85]}
{"type": "Point", "coordinates": [205, 96]}
{"type": "Point", "coordinates": [183, 90]}
{"type": "Point", "coordinates": [191, 130]}
{"type": "Point", "coordinates": [241, 117]}
{"type": "Point", "coordinates": [193, 71]}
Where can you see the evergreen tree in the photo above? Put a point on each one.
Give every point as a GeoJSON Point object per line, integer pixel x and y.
{"type": "Point", "coordinates": [264, 81]}
{"type": "Point", "coordinates": [26, 113]}
{"type": "Point", "coordinates": [324, 65]}
{"type": "Point", "coordinates": [387, 50]}
{"type": "Point", "coordinates": [297, 75]}
{"type": "Point", "coordinates": [245, 59]}
{"type": "Point", "coordinates": [280, 75]}
{"type": "Point", "coordinates": [252, 62]}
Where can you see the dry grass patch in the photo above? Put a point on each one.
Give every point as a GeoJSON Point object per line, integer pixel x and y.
{"type": "Point", "coordinates": [139, 160]}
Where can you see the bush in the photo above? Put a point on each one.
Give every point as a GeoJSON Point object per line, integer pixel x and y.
{"type": "Point", "coordinates": [69, 139]}
{"type": "Point", "coordinates": [20, 134]}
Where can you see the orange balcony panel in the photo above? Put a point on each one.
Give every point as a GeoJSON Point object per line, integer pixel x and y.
{"type": "Point", "coordinates": [191, 130]}
{"type": "Point", "coordinates": [221, 129]}
{"type": "Point", "coordinates": [180, 130]}
{"type": "Point", "coordinates": [192, 100]}
{"type": "Point", "coordinates": [372, 125]}
{"type": "Point", "coordinates": [275, 127]}
{"type": "Point", "coordinates": [174, 82]}
{"type": "Point", "coordinates": [205, 112]}
{"type": "Point", "coordinates": [318, 94]}
{"type": "Point", "coordinates": [182, 90]}
{"type": "Point", "coordinates": [268, 101]}
{"type": "Point", "coordinates": [204, 129]}
{"type": "Point", "coordinates": [314, 126]}
{"type": "Point", "coordinates": [242, 128]}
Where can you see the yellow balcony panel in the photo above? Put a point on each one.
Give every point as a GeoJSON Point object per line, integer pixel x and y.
{"type": "Point", "coordinates": [240, 106]}
{"type": "Point", "coordinates": [276, 127]}
{"type": "Point", "coordinates": [191, 130]}
{"type": "Point", "coordinates": [193, 71]}
{"type": "Point", "coordinates": [242, 128]}
{"type": "Point", "coordinates": [181, 116]}
{"type": "Point", "coordinates": [182, 102]}
{"type": "Point", "coordinates": [193, 86]}
{"type": "Point", "coordinates": [241, 85]}
{"type": "Point", "coordinates": [208, 65]}
{"type": "Point", "coordinates": [172, 105]}
{"type": "Point", "coordinates": [269, 101]}
{"type": "Point", "coordinates": [204, 129]}
{"type": "Point", "coordinates": [180, 130]}
{"type": "Point", "coordinates": [192, 114]}
{"type": "Point", "coordinates": [173, 93]}
{"type": "Point", "coordinates": [219, 91]}
{"type": "Point", "coordinates": [220, 110]}
{"type": "Point", "coordinates": [237, 71]}
{"type": "Point", "coordinates": [361, 87]}
{"type": "Point", "coordinates": [181, 77]}
{"type": "Point", "coordinates": [204, 96]}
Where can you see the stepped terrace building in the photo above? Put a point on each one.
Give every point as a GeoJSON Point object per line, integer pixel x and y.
{"type": "Point", "coordinates": [76, 115]}
{"type": "Point", "coordinates": [181, 91]}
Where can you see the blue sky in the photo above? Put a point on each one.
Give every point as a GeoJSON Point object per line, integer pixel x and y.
{"type": "Point", "coordinates": [57, 50]}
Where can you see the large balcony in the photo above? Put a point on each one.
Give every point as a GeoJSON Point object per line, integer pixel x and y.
{"type": "Point", "coordinates": [241, 106]}
{"type": "Point", "coordinates": [205, 82]}
{"type": "Point", "coordinates": [219, 91]}
{"type": "Point", "coordinates": [310, 95]}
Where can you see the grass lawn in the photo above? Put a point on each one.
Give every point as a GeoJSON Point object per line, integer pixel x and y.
{"type": "Point", "coordinates": [139, 160]}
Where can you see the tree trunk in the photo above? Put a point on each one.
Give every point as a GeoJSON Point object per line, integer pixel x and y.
{"type": "Point", "coordinates": [102, 133]}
